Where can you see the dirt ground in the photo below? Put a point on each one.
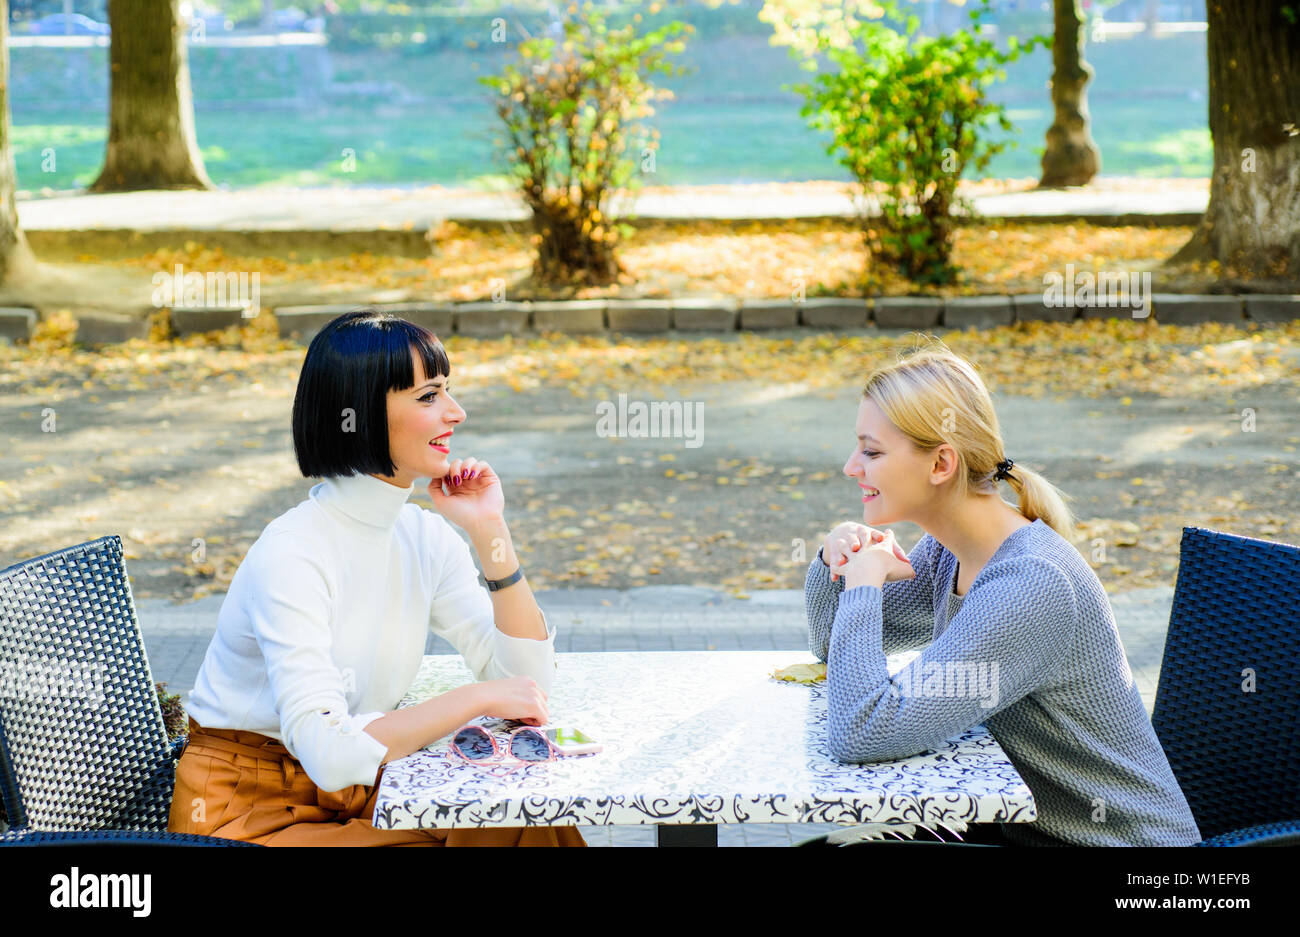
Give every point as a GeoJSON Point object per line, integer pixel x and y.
{"type": "Point", "coordinates": [185, 452]}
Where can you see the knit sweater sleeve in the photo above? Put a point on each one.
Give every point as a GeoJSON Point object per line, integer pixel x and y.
{"type": "Point", "coordinates": [908, 604]}
{"type": "Point", "coordinates": [462, 614]}
{"type": "Point", "coordinates": [288, 606]}
{"type": "Point", "coordinates": [1009, 637]}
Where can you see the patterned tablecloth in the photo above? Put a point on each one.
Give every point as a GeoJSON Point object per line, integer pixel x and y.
{"type": "Point", "coordinates": [693, 737]}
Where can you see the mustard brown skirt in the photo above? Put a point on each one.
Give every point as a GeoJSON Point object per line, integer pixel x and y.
{"type": "Point", "coordinates": [244, 785]}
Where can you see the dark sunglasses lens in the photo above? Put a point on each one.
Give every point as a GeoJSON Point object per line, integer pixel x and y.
{"type": "Point", "coordinates": [530, 745]}
{"type": "Point", "coordinates": [474, 744]}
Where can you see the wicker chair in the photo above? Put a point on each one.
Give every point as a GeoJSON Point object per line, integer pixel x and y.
{"type": "Point", "coordinates": [87, 762]}
{"type": "Point", "coordinates": [1236, 754]}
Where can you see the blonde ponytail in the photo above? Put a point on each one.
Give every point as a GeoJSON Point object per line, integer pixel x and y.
{"type": "Point", "coordinates": [1041, 500]}
{"type": "Point", "coordinates": [934, 396]}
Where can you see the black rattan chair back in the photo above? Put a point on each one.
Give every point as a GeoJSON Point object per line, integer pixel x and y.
{"type": "Point", "coordinates": [1227, 707]}
{"type": "Point", "coordinates": [82, 740]}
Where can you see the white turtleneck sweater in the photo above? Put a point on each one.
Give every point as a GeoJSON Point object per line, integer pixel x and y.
{"type": "Point", "coordinates": [325, 624]}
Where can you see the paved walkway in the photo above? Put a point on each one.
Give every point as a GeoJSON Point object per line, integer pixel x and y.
{"type": "Point", "coordinates": [352, 209]}
{"type": "Point", "coordinates": [654, 618]}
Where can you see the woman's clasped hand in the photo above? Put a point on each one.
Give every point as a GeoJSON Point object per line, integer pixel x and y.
{"type": "Point", "coordinates": [843, 551]}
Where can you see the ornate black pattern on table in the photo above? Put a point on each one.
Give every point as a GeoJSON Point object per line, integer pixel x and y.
{"type": "Point", "coordinates": [693, 737]}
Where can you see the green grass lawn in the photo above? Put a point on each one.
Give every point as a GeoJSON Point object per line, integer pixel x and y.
{"type": "Point", "coordinates": [731, 120]}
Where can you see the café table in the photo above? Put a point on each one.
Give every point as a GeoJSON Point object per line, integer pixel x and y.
{"type": "Point", "coordinates": [692, 740]}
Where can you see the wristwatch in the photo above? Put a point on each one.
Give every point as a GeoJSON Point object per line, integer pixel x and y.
{"type": "Point", "coordinates": [497, 584]}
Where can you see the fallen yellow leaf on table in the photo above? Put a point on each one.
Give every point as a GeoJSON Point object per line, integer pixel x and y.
{"type": "Point", "coordinates": [801, 673]}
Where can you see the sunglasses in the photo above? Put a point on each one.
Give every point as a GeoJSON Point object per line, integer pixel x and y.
{"type": "Point", "coordinates": [477, 745]}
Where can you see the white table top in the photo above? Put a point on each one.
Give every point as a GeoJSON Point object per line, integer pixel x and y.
{"type": "Point", "coordinates": [693, 737]}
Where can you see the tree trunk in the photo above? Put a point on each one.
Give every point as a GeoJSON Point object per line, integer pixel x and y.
{"type": "Point", "coordinates": [1252, 224]}
{"type": "Point", "coordinates": [1151, 17]}
{"type": "Point", "coordinates": [15, 256]}
{"type": "Point", "coordinates": [151, 141]}
{"type": "Point", "coordinates": [570, 249]}
{"type": "Point", "coordinates": [1071, 158]}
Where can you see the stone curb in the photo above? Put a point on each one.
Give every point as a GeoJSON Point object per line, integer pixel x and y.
{"type": "Point", "coordinates": [189, 321]}
{"type": "Point", "coordinates": [769, 314]}
{"type": "Point", "coordinates": [981, 312]}
{"type": "Point", "coordinates": [639, 315]}
{"type": "Point", "coordinates": [907, 312]}
{"type": "Point", "coordinates": [579, 316]}
{"type": "Point", "coordinates": [485, 320]}
{"type": "Point", "coordinates": [109, 328]}
{"type": "Point", "coordinates": [834, 313]}
{"type": "Point", "coordinates": [706, 314]}
{"type": "Point", "coordinates": [1184, 310]}
{"type": "Point", "coordinates": [303, 322]}
{"type": "Point", "coordinates": [1272, 308]}
{"type": "Point", "coordinates": [16, 323]}
{"type": "Point", "coordinates": [1033, 308]}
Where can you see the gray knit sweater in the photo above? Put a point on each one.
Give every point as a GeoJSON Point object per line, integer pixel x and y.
{"type": "Point", "coordinates": [1032, 652]}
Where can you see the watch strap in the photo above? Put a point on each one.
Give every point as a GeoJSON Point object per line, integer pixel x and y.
{"type": "Point", "coordinates": [497, 584]}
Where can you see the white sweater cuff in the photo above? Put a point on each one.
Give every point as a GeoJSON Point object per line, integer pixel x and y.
{"type": "Point", "coordinates": [339, 753]}
{"type": "Point", "coordinates": [530, 657]}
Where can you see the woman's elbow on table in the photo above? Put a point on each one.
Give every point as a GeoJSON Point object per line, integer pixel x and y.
{"type": "Point", "coordinates": [850, 751]}
{"type": "Point", "coordinates": [335, 751]}
{"type": "Point", "coordinates": [331, 772]}
{"type": "Point", "coordinates": [847, 738]}
{"type": "Point", "coordinates": [853, 752]}
{"type": "Point", "coordinates": [852, 738]}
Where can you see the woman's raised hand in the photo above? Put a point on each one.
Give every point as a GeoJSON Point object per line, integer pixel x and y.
{"type": "Point", "coordinates": [473, 494]}
{"type": "Point", "coordinates": [850, 537]}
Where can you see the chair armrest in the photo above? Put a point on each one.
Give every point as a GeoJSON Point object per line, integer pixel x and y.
{"type": "Point", "coordinates": [1282, 833]}
{"type": "Point", "coordinates": [113, 838]}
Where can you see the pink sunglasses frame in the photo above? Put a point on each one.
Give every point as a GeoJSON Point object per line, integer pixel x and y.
{"type": "Point", "coordinates": [502, 755]}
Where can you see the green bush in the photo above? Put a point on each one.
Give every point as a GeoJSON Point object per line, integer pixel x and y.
{"type": "Point", "coordinates": [174, 717]}
{"type": "Point", "coordinates": [569, 110]}
{"type": "Point", "coordinates": [908, 114]}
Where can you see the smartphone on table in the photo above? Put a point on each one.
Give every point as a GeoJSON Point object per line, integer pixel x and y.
{"type": "Point", "coordinates": [572, 741]}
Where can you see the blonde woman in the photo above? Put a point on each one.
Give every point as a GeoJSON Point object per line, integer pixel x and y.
{"type": "Point", "coordinates": [293, 715]}
{"type": "Point", "coordinates": [990, 589]}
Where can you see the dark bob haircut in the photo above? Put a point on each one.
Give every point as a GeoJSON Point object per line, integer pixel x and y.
{"type": "Point", "coordinates": [340, 411]}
